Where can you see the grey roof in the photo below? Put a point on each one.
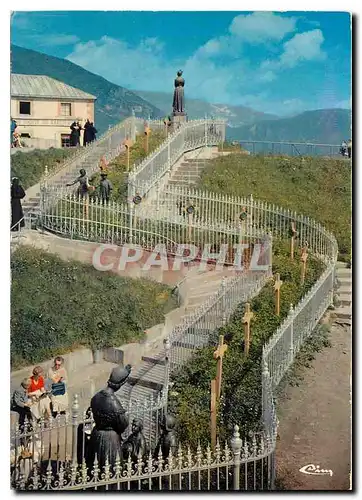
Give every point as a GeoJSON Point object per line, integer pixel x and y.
{"type": "Point", "coordinates": [44, 86]}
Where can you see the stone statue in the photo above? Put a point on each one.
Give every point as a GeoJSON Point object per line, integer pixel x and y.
{"type": "Point", "coordinates": [110, 420]}
{"type": "Point", "coordinates": [135, 444]}
{"type": "Point", "coordinates": [167, 440]}
{"type": "Point", "coordinates": [178, 95]}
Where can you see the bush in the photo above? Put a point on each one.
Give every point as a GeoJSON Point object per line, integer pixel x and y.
{"type": "Point", "coordinates": [29, 167]}
{"type": "Point", "coordinates": [313, 186]}
{"type": "Point", "coordinates": [57, 306]}
{"type": "Point", "coordinates": [241, 384]}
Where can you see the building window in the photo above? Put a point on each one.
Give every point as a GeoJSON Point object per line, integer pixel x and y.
{"type": "Point", "coordinates": [24, 108]}
{"type": "Point", "coordinates": [25, 135]}
{"type": "Point", "coordinates": [65, 109]}
{"type": "Point", "coordinates": [65, 138]}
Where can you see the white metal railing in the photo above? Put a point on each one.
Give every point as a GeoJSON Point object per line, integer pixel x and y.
{"type": "Point", "coordinates": [128, 223]}
{"type": "Point", "coordinates": [188, 136]}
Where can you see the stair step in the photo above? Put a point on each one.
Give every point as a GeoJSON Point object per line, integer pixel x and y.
{"type": "Point", "coordinates": [149, 375]}
{"type": "Point", "coordinates": [342, 290]}
{"type": "Point", "coordinates": [343, 272]}
{"type": "Point", "coordinates": [345, 281]}
{"type": "Point", "coordinates": [343, 312]}
{"type": "Point", "coordinates": [345, 298]}
{"type": "Point", "coordinates": [154, 360]}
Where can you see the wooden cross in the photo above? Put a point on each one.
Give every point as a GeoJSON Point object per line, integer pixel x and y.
{"type": "Point", "coordinates": [213, 405]}
{"type": "Point", "coordinates": [248, 316]}
{"type": "Point", "coordinates": [303, 258]}
{"type": "Point", "coordinates": [147, 133]}
{"type": "Point", "coordinates": [294, 231]}
{"type": "Point", "coordinates": [278, 283]}
{"type": "Point", "coordinates": [128, 143]}
{"type": "Point", "coordinates": [219, 354]}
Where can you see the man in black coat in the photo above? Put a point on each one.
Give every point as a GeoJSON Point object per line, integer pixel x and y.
{"type": "Point", "coordinates": [17, 194]}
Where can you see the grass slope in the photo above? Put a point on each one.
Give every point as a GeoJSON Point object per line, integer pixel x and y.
{"type": "Point", "coordinates": [57, 306]}
{"type": "Point", "coordinates": [316, 187]}
{"type": "Point", "coordinates": [29, 167]}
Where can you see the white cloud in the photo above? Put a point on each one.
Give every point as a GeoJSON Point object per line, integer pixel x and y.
{"type": "Point", "coordinates": [303, 47]}
{"type": "Point", "coordinates": [260, 27]}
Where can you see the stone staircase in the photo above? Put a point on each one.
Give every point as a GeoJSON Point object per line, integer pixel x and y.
{"type": "Point", "coordinates": [188, 171]}
{"type": "Point", "coordinates": [147, 380]}
{"type": "Point", "coordinates": [343, 312]}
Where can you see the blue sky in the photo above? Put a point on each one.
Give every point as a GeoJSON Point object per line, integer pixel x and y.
{"type": "Point", "coordinates": [274, 62]}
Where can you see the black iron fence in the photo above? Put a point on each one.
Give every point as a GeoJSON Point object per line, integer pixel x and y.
{"type": "Point", "coordinates": [290, 148]}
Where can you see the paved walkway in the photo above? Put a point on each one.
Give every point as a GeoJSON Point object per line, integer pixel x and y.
{"type": "Point", "coordinates": [315, 425]}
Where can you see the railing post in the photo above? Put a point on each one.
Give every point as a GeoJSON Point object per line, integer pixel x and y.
{"type": "Point", "coordinates": [205, 131]}
{"type": "Point", "coordinates": [291, 347]}
{"type": "Point", "coordinates": [75, 415]}
{"type": "Point", "coordinates": [236, 444]}
{"type": "Point", "coordinates": [167, 346]}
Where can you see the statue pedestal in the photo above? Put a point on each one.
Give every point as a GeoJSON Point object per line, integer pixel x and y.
{"type": "Point", "coordinates": [177, 119]}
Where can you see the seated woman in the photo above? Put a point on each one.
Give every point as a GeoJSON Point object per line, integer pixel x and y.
{"type": "Point", "coordinates": [38, 394]}
{"type": "Point", "coordinates": [58, 377]}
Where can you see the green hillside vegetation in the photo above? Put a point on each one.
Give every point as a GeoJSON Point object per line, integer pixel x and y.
{"type": "Point", "coordinates": [316, 187]}
{"type": "Point", "coordinates": [29, 167]}
{"type": "Point", "coordinates": [241, 383]}
{"type": "Point", "coordinates": [113, 104]}
{"type": "Point", "coordinates": [58, 306]}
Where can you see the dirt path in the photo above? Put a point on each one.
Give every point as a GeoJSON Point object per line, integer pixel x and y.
{"type": "Point", "coordinates": [315, 421]}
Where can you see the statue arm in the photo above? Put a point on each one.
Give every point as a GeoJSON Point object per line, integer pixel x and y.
{"type": "Point", "coordinates": [121, 422]}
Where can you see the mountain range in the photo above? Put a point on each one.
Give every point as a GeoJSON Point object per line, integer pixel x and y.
{"type": "Point", "coordinates": [114, 103]}
{"type": "Point", "coordinates": [236, 116]}
{"type": "Point", "coordinates": [323, 126]}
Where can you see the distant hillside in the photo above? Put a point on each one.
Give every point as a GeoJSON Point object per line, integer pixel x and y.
{"type": "Point", "coordinates": [325, 126]}
{"type": "Point", "coordinates": [114, 103]}
{"type": "Point", "coordinates": [236, 116]}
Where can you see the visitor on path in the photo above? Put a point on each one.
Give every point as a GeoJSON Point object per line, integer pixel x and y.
{"type": "Point", "coordinates": [93, 132]}
{"type": "Point", "coordinates": [16, 139]}
{"type": "Point", "coordinates": [17, 216]}
{"type": "Point", "coordinates": [59, 395]}
{"type": "Point", "coordinates": [105, 188]}
{"type": "Point", "coordinates": [84, 187]}
{"type": "Point", "coordinates": [89, 132]}
{"type": "Point", "coordinates": [13, 126]}
{"type": "Point", "coordinates": [349, 148]}
{"type": "Point", "coordinates": [75, 134]}
{"type": "Point", "coordinates": [37, 393]}
{"type": "Point", "coordinates": [343, 148]}
{"type": "Point", "coordinates": [21, 404]}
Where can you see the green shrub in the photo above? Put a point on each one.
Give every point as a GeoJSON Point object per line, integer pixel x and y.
{"type": "Point", "coordinates": [57, 306]}
{"type": "Point", "coordinates": [29, 167]}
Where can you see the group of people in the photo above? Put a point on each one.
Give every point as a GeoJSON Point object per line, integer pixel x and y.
{"type": "Point", "coordinates": [15, 141]}
{"type": "Point", "coordinates": [41, 396]}
{"type": "Point", "coordinates": [85, 188]}
{"type": "Point", "coordinates": [346, 148]}
{"type": "Point", "coordinates": [89, 134]}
